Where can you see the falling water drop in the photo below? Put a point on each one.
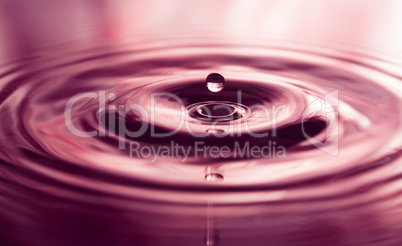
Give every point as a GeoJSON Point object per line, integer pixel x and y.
{"type": "Point", "coordinates": [215, 82]}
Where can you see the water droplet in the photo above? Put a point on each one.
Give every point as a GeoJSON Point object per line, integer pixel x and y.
{"type": "Point", "coordinates": [213, 177]}
{"type": "Point", "coordinates": [215, 82]}
{"type": "Point", "coordinates": [215, 131]}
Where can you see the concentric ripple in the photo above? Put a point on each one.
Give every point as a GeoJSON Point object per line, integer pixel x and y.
{"type": "Point", "coordinates": [139, 123]}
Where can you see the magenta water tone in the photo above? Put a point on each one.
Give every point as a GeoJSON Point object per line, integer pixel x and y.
{"type": "Point", "coordinates": [162, 132]}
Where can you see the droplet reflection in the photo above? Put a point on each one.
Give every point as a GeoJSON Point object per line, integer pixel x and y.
{"type": "Point", "coordinates": [215, 82]}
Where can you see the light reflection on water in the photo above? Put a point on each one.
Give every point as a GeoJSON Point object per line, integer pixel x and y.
{"type": "Point", "coordinates": [58, 188]}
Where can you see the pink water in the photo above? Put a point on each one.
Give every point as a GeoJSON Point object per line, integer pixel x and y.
{"type": "Point", "coordinates": [132, 143]}
{"type": "Point", "coordinates": [337, 185]}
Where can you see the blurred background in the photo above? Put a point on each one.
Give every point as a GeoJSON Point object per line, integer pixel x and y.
{"type": "Point", "coordinates": [28, 25]}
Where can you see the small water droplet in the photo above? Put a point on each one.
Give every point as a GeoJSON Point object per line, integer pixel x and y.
{"type": "Point", "coordinates": [215, 131]}
{"type": "Point", "coordinates": [215, 82]}
{"type": "Point", "coordinates": [213, 177]}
